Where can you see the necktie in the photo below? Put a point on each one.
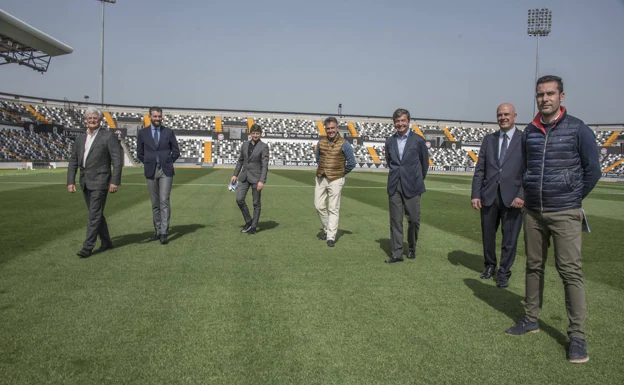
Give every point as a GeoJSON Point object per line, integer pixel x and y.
{"type": "Point", "coordinates": [156, 144]}
{"type": "Point", "coordinates": [503, 148]}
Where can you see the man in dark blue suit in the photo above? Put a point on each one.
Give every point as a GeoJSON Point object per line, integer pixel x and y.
{"type": "Point", "coordinates": [408, 161]}
{"type": "Point", "coordinates": [497, 192]}
{"type": "Point", "coordinates": [157, 149]}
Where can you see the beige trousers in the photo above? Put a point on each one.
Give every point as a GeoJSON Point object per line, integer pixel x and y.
{"type": "Point", "coordinates": [327, 202]}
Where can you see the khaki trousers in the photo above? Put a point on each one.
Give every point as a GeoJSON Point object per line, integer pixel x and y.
{"type": "Point", "coordinates": [565, 229]}
{"type": "Point", "coordinates": [327, 202]}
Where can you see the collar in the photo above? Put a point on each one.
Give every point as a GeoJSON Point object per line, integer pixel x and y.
{"type": "Point", "coordinates": [94, 132]}
{"type": "Point", "coordinates": [153, 128]}
{"type": "Point", "coordinates": [509, 133]}
{"type": "Point", "coordinates": [335, 138]}
{"type": "Point", "coordinates": [399, 136]}
{"type": "Point", "coordinates": [537, 121]}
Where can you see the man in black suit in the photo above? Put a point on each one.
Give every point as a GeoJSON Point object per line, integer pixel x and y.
{"type": "Point", "coordinates": [253, 166]}
{"type": "Point", "coordinates": [408, 160]}
{"type": "Point", "coordinates": [94, 152]}
{"type": "Point", "coordinates": [497, 192]}
{"type": "Point", "coordinates": [157, 149]}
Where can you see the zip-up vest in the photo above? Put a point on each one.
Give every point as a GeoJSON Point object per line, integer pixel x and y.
{"type": "Point", "coordinates": [553, 180]}
{"type": "Point", "coordinates": [331, 158]}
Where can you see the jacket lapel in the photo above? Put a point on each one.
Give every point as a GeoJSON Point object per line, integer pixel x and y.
{"type": "Point", "coordinates": [496, 138]}
{"type": "Point", "coordinates": [515, 140]}
{"type": "Point", "coordinates": [95, 143]}
{"type": "Point", "coordinates": [395, 148]}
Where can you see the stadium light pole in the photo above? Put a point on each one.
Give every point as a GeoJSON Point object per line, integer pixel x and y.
{"type": "Point", "coordinates": [539, 24]}
{"type": "Point", "coordinates": [102, 65]}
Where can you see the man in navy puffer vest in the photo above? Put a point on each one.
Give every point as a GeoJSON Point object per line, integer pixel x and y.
{"type": "Point", "coordinates": [561, 168]}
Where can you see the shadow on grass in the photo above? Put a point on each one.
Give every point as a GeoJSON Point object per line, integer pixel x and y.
{"type": "Point", "coordinates": [175, 233]}
{"type": "Point", "coordinates": [509, 304]}
{"type": "Point", "coordinates": [386, 246]}
{"type": "Point", "coordinates": [340, 233]}
{"type": "Point", "coordinates": [471, 261]}
{"type": "Point", "coordinates": [268, 225]}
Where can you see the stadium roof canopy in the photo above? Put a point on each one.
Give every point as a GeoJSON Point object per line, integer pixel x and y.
{"type": "Point", "coordinates": [22, 44]}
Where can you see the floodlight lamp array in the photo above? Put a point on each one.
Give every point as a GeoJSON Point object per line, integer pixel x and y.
{"type": "Point", "coordinates": [539, 22]}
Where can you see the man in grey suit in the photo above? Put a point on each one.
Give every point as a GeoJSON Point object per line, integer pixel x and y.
{"type": "Point", "coordinates": [253, 166]}
{"type": "Point", "coordinates": [94, 152]}
{"type": "Point", "coordinates": [497, 192]}
{"type": "Point", "coordinates": [408, 161]}
{"type": "Point", "coordinates": [157, 149]}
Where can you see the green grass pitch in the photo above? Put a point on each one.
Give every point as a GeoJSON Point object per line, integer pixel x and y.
{"type": "Point", "coordinates": [215, 306]}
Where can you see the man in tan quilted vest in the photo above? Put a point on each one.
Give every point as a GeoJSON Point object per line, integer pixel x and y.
{"type": "Point", "coordinates": [335, 159]}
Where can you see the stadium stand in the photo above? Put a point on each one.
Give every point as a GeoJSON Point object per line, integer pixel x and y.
{"type": "Point", "coordinates": [15, 142]}
{"type": "Point", "coordinates": [602, 136]}
{"type": "Point", "coordinates": [191, 148]}
{"type": "Point", "coordinates": [361, 154]}
{"type": "Point", "coordinates": [7, 119]}
{"type": "Point", "coordinates": [374, 129]}
{"type": "Point", "coordinates": [470, 134]}
{"type": "Point", "coordinates": [280, 125]}
{"type": "Point", "coordinates": [449, 157]}
{"type": "Point", "coordinates": [189, 122]}
{"type": "Point", "coordinates": [292, 151]}
{"type": "Point", "coordinates": [57, 115]}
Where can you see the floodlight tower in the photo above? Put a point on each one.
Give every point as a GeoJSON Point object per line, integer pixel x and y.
{"type": "Point", "coordinates": [102, 66]}
{"type": "Point", "coordinates": [539, 24]}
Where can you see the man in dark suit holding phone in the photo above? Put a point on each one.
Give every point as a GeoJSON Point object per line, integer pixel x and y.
{"type": "Point", "coordinates": [408, 160]}
{"type": "Point", "coordinates": [94, 152]}
{"type": "Point", "coordinates": [497, 192]}
{"type": "Point", "coordinates": [157, 149]}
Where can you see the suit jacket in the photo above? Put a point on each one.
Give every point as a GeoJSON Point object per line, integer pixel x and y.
{"type": "Point", "coordinates": [105, 152]}
{"type": "Point", "coordinates": [412, 169]}
{"type": "Point", "coordinates": [255, 167]}
{"type": "Point", "coordinates": [167, 150]}
{"type": "Point", "coordinates": [492, 173]}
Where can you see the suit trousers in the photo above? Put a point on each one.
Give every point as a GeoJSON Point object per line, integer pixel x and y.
{"type": "Point", "coordinates": [510, 220]}
{"type": "Point", "coordinates": [241, 193]}
{"type": "Point", "coordinates": [160, 188]}
{"type": "Point", "coordinates": [400, 204]}
{"type": "Point", "coordinates": [96, 224]}
{"type": "Point", "coordinates": [565, 229]}
{"type": "Point", "coordinates": [327, 202]}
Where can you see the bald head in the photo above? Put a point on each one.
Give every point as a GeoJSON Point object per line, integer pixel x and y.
{"type": "Point", "coordinates": [506, 116]}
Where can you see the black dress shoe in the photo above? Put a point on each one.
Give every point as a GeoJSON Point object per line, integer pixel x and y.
{"type": "Point", "coordinates": [84, 253]}
{"type": "Point", "coordinates": [488, 272]}
{"type": "Point", "coordinates": [246, 227]}
{"type": "Point", "coordinates": [164, 239]}
{"type": "Point", "coordinates": [393, 260]}
{"type": "Point", "coordinates": [322, 237]}
{"type": "Point", "coordinates": [331, 243]}
{"type": "Point", "coordinates": [103, 248]}
{"type": "Point", "coordinates": [411, 255]}
{"type": "Point", "coordinates": [155, 237]}
{"type": "Point", "coordinates": [251, 231]}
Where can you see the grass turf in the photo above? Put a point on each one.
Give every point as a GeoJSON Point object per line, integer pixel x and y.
{"type": "Point", "coordinates": [217, 306]}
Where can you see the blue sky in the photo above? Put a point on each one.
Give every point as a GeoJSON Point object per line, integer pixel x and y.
{"type": "Point", "coordinates": [440, 59]}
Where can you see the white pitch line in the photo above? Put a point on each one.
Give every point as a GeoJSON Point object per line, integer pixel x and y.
{"type": "Point", "coordinates": [225, 185]}
{"type": "Point", "coordinates": [452, 188]}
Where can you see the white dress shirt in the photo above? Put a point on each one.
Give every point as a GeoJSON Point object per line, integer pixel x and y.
{"type": "Point", "coordinates": [88, 143]}
{"type": "Point", "coordinates": [510, 134]}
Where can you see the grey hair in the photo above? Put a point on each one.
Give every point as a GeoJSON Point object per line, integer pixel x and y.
{"type": "Point", "coordinates": [93, 110]}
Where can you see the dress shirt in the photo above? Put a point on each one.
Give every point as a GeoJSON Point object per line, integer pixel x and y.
{"type": "Point", "coordinates": [510, 135]}
{"type": "Point", "coordinates": [88, 143]}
